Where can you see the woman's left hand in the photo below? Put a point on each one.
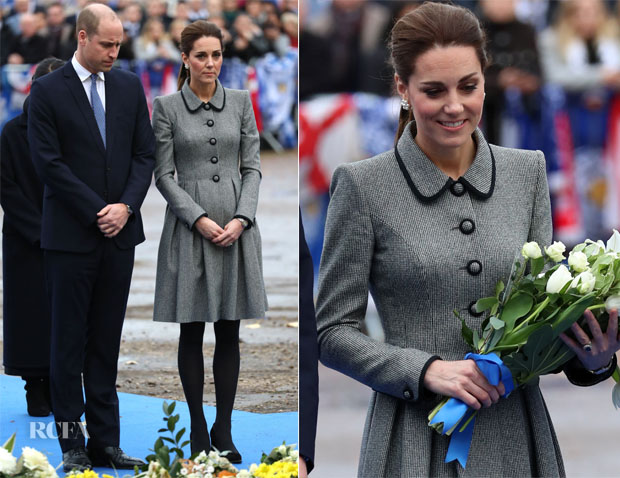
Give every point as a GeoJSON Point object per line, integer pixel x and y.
{"type": "Point", "coordinates": [231, 233]}
{"type": "Point", "coordinates": [601, 346]}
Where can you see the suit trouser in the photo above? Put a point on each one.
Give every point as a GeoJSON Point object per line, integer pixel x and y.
{"type": "Point", "coordinates": [88, 297]}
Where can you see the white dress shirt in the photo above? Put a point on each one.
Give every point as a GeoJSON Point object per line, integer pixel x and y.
{"type": "Point", "coordinates": [84, 76]}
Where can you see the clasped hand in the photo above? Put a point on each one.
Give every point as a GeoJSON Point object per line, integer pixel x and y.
{"type": "Point", "coordinates": [597, 351]}
{"type": "Point", "coordinates": [112, 218]}
{"type": "Point", "coordinates": [462, 379]}
{"type": "Point", "coordinates": [222, 237]}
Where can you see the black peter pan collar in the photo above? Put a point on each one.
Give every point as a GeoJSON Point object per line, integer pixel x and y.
{"type": "Point", "coordinates": [193, 103]}
{"type": "Point", "coordinates": [428, 182]}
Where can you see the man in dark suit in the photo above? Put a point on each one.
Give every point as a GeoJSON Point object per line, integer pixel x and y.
{"type": "Point", "coordinates": [93, 148]}
{"type": "Point", "coordinates": [308, 359]}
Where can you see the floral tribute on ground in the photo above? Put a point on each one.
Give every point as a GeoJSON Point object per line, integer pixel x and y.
{"type": "Point", "coordinates": [520, 336]}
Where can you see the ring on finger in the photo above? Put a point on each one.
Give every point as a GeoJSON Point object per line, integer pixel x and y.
{"type": "Point", "coordinates": [587, 347]}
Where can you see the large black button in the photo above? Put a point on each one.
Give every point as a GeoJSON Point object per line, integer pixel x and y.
{"type": "Point", "coordinates": [213, 141]}
{"type": "Point", "coordinates": [210, 123]}
{"type": "Point", "coordinates": [216, 178]}
{"type": "Point", "coordinates": [407, 395]}
{"type": "Point", "coordinates": [472, 310]}
{"type": "Point", "coordinates": [214, 159]}
{"type": "Point", "coordinates": [457, 188]}
{"type": "Point", "coordinates": [474, 267]}
{"type": "Point", "coordinates": [467, 226]}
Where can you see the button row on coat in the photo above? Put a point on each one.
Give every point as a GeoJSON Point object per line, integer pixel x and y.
{"type": "Point", "coordinates": [457, 189]}
{"type": "Point", "coordinates": [467, 226]}
{"type": "Point", "coordinates": [474, 267]}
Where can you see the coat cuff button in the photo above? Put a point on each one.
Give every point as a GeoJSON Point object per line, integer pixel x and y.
{"type": "Point", "coordinates": [407, 395]}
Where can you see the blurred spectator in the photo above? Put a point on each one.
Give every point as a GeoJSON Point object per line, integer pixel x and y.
{"type": "Point", "coordinates": [197, 10]}
{"type": "Point", "coordinates": [61, 35]}
{"type": "Point", "coordinates": [28, 47]}
{"type": "Point", "coordinates": [515, 63]}
{"type": "Point", "coordinates": [254, 9]}
{"type": "Point", "coordinates": [354, 59]}
{"type": "Point", "coordinates": [226, 35]}
{"type": "Point", "coordinates": [154, 43]}
{"type": "Point", "coordinates": [176, 28]}
{"type": "Point", "coordinates": [215, 8]}
{"type": "Point", "coordinates": [582, 50]}
{"type": "Point", "coordinates": [248, 40]}
{"type": "Point", "coordinates": [290, 25]}
{"type": "Point", "coordinates": [13, 18]}
{"type": "Point", "coordinates": [6, 38]}
{"type": "Point", "coordinates": [290, 6]}
{"type": "Point", "coordinates": [230, 11]}
{"type": "Point", "coordinates": [157, 9]}
{"type": "Point", "coordinates": [132, 19]}
{"type": "Point", "coordinates": [182, 12]}
{"type": "Point", "coordinates": [279, 42]}
{"type": "Point", "coordinates": [126, 50]}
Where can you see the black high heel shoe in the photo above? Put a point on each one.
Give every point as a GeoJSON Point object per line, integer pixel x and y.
{"type": "Point", "coordinates": [199, 444]}
{"type": "Point", "coordinates": [225, 445]}
{"type": "Point", "coordinates": [38, 396]}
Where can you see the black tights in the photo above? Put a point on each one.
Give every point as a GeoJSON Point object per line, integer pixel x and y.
{"type": "Point", "coordinates": [225, 376]}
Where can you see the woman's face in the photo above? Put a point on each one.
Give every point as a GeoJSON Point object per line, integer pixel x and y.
{"type": "Point", "coordinates": [446, 93]}
{"type": "Point", "coordinates": [205, 61]}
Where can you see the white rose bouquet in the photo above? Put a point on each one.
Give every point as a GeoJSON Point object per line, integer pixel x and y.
{"type": "Point", "coordinates": [32, 463]}
{"type": "Point", "coordinates": [520, 335]}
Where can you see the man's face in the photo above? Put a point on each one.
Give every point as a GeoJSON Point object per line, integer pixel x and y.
{"type": "Point", "coordinates": [55, 16]}
{"type": "Point", "coordinates": [99, 51]}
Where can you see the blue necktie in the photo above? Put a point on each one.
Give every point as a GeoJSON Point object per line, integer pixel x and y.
{"type": "Point", "coordinates": [97, 106]}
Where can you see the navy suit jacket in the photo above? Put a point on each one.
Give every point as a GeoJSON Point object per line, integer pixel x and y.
{"type": "Point", "coordinates": [80, 175]}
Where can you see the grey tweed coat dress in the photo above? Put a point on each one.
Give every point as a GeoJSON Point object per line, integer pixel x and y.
{"type": "Point", "coordinates": [214, 150]}
{"type": "Point", "coordinates": [425, 245]}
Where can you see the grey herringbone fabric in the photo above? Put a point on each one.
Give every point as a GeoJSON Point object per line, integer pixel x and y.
{"type": "Point", "coordinates": [214, 150]}
{"type": "Point", "coordinates": [406, 245]}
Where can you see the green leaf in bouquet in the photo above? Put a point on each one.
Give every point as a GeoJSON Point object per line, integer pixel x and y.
{"type": "Point", "coordinates": [486, 303]}
{"type": "Point", "coordinates": [496, 323]}
{"type": "Point", "coordinates": [171, 408]}
{"type": "Point", "coordinates": [476, 340]}
{"type": "Point", "coordinates": [516, 307]}
{"type": "Point", "coordinates": [159, 443]}
{"type": "Point", "coordinates": [179, 434]}
{"type": "Point", "coordinates": [467, 333]}
{"type": "Point", "coordinates": [165, 408]}
{"type": "Point", "coordinates": [542, 354]}
{"type": "Point", "coordinates": [537, 265]}
{"type": "Point", "coordinates": [185, 443]}
{"type": "Point", "coordinates": [517, 338]}
{"type": "Point", "coordinates": [178, 451]}
{"type": "Point", "coordinates": [163, 456]}
{"type": "Point", "coordinates": [10, 443]}
{"type": "Point", "coordinates": [499, 288]}
{"type": "Point", "coordinates": [572, 313]}
{"type": "Point", "coordinates": [173, 421]}
{"type": "Point", "coordinates": [176, 469]}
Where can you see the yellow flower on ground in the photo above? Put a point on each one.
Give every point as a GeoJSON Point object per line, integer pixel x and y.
{"type": "Point", "coordinates": [279, 469]}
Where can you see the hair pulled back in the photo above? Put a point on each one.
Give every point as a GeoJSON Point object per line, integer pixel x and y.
{"type": "Point", "coordinates": [192, 32]}
{"type": "Point", "coordinates": [428, 26]}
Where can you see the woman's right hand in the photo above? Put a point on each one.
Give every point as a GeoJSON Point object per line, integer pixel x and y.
{"type": "Point", "coordinates": [208, 228]}
{"type": "Point", "coordinates": [462, 379]}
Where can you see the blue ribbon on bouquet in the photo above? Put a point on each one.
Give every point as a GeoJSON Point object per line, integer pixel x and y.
{"type": "Point", "coordinates": [495, 371]}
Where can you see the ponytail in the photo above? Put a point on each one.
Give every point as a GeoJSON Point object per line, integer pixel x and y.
{"type": "Point", "coordinates": [404, 118]}
{"type": "Point", "coordinates": [183, 75]}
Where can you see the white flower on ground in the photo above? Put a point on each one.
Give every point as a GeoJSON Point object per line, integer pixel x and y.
{"type": "Point", "coordinates": [578, 261]}
{"type": "Point", "coordinates": [584, 282]}
{"type": "Point", "coordinates": [531, 250]}
{"type": "Point", "coordinates": [282, 449]}
{"type": "Point", "coordinates": [244, 474]}
{"type": "Point", "coordinates": [295, 454]}
{"type": "Point", "coordinates": [556, 251]}
{"type": "Point", "coordinates": [34, 458]}
{"type": "Point", "coordinates": [613, 244]}
{"type": "Point", "coordinates": [558, 279]}
{"type": "Point", "coordinates": [8, 463]}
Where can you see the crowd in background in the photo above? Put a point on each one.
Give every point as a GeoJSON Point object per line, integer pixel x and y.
{"type": "Point", "coordinates": [32, 30]}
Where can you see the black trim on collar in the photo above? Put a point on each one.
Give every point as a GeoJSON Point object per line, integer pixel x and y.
{"type": "Point", "coordinates": [203, 104]}
{"type": "Point", "coordinates": [448, 183]}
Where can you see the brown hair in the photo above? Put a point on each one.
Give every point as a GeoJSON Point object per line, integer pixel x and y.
{"type": "Point", "coordinates": [192, 32]}
{"type": "Point", "coordinates": [425, 27]}
{"type": "Point", "coordinates": [90, 17]}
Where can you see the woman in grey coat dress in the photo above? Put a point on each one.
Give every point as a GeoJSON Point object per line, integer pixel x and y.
{"type": "Point", "coordinates": [209, 267]}
{"type": "Point", "coordinates": [430, 227]}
